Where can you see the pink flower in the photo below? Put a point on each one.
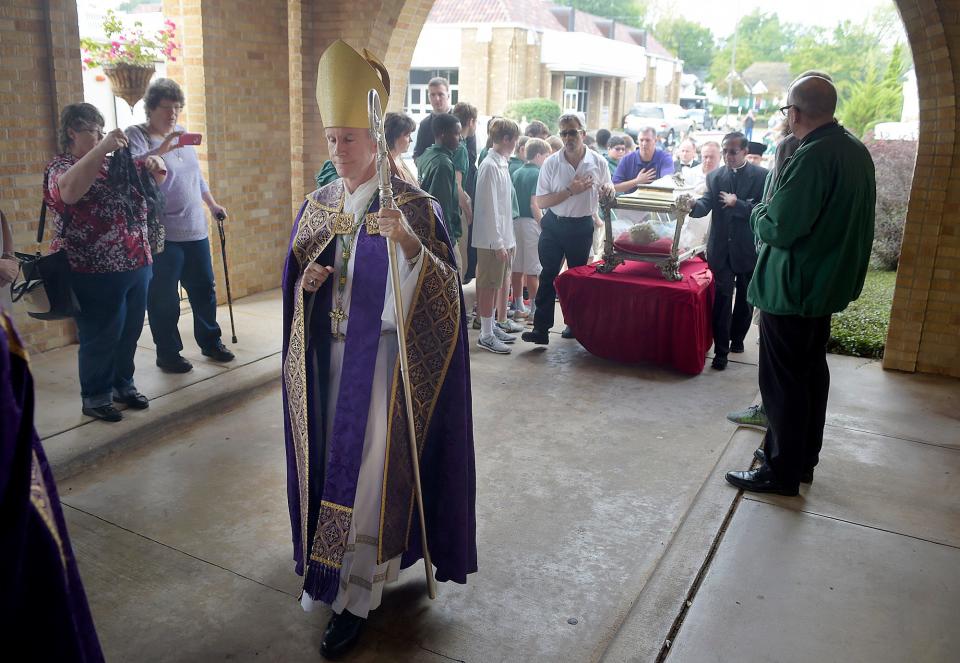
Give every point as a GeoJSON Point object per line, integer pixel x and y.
{"type": "Point", "coordinates": [115, 44]}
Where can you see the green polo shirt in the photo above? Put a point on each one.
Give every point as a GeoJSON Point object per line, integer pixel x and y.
{"type": "Point", "coordinates": [437, 177]}
{"type": "Point", "coordinates": [525, 186]}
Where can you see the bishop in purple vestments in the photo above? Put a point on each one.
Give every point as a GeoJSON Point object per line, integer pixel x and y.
{"type": "Point", "coordinates": [350, 477]}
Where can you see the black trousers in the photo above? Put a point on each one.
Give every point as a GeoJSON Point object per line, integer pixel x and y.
{"type": "Point", "coordinates": [732, 314]}
{"type": "Point", "coordinates": [560, 237]}
{"type": "Point", "coordinates": [794, 382]}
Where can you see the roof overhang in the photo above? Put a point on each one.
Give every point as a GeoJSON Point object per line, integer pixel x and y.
{"type": "Point", "coordinates": [592, 55]}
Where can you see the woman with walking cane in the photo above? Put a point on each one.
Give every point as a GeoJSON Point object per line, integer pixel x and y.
{"type": "Point", "coordinates": [351, 486]}
{"type": "Point", "coordinates": [186, 256]}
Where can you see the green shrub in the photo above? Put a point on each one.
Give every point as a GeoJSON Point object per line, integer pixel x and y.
{"type": "Point", "coordinates": [861, 330]}
{"type": "Point", "coordinates": [546, 110]}
{"type": "Point", "coordinates": [894, 162]}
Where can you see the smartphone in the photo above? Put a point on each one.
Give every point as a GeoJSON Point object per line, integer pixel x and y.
{"type": "Point", "coordinates": [189, 139]}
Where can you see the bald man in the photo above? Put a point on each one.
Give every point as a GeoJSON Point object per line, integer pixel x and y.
{"type": "Point", "coordinates": [816, 230]}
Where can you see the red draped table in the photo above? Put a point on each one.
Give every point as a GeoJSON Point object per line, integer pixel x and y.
{"type": "Point", "coordinates": [634, 315]}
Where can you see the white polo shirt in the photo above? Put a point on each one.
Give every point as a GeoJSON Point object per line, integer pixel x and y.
{"type": "Point", "coordinates": [556, 174]}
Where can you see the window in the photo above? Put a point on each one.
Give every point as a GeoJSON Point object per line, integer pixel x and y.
{"type": "Point", "coordinates": [418, 96]}
{"type": "Point", "coordinates": [575, 90]}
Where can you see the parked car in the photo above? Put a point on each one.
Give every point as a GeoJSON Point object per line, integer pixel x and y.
{"type": "Point", "coordinates": [701, 118]}
{"type": "Point", "coordinates": [670, 121]}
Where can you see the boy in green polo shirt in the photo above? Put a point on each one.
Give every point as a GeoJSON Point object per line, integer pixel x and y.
{"type": "Point", "coordinates": [437, 173]}
{"type": "Point", "coordinates": [526, 226]}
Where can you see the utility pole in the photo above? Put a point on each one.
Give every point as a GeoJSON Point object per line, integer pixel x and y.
{"type": "Point", "coordinates": [733, 62]}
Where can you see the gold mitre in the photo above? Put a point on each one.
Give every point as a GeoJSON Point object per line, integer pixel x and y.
{"type": "Point", "coordinates": [343, 80]}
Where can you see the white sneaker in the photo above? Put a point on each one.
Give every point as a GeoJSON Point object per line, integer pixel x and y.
{"type": "Point", "coordinates": [510, 326]}
{"type": "Point", "coordinates": [493, 344]}
{"type": "Point", "coordinates": [503, 336]}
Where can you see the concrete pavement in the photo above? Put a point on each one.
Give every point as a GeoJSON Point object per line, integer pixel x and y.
{"type": "Point", "coordinates": [601, 512]}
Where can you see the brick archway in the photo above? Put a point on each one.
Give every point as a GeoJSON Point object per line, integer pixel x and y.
{"type": "Point", "coordinates": [250, 73]}
{"type": "Point", "coordinates": [925, 323]}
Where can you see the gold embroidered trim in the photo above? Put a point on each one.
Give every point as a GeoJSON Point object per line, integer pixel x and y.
{"type": "Point", "coordinates": [433, 326]}
{"type": "Point", "coordinates": [367, 540]}
{"type": "Point", "coordinates": [313, 234]}
{"type": "Point", "coordinates": [40, 500]}
{"type": "Point", "coordinates": [333, 527]}
{"type": "Point", "coordinates": [13, 341]}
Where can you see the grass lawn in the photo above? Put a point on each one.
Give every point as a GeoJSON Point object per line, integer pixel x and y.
{"type": "Point", "coordinates": [861, 330]}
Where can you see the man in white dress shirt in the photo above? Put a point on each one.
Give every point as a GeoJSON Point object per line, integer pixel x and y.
{"type": "Point", "coordinates": [569, 185]}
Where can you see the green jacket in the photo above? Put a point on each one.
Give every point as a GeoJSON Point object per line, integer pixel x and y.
{"type": "Point", "coordinates": [437, 177]}
{"type": "Point", "coordinates": [816, 228]}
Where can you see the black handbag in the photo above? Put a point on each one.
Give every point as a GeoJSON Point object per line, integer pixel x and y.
{"type": "Point", "coordinates": [45, 287]}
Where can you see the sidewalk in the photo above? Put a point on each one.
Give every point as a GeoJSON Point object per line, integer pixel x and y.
{"type": "Point", "coordinates": [74, 441]}
{"type": "Point", "coordinates": [863, 566]}
{"type": "Point", "coordinates": [644, 544]}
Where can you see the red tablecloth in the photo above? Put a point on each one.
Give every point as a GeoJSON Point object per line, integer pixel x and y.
{"type": "Point", "coordinates": [635, 315]}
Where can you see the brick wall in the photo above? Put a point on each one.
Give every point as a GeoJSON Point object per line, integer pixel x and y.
{"type": "Point", "coordinates": [39, 74]}
{"type": "Point", "coordinates": [925, 324]}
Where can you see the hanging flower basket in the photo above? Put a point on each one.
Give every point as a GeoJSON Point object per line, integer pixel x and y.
{"type": "Point", "coordinates": [129, 81]}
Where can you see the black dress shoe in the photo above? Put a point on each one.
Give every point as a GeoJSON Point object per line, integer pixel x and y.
{"type": "Point", "coordinates": [219, 353]}
{"type": "Point", "coordinates": [104, 413]}
{"type": "Point", "coordinates": [760, 480]}
{"type": "Point", "coordinates": [805, 477]}
{"type": "Point", "coordinates": [736, 346]}
{"type": "Point", "coordinates": [567, 332]}
{"type": "Point", "coordinates": [342, 633]}
{"type": "Point", "coordinates": [133, 399]}
{"type": "Point", "coordinates": [175, 364]}
{"type": "Point", "coordinates": [719, 362]}
{"type": "Point", "coordinates": [536, 336]}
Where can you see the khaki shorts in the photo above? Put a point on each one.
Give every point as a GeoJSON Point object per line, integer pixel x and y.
{"type": "Point", "coordinates": [493, 273]}
{"type": "Point", "coordinates": [527, 258]}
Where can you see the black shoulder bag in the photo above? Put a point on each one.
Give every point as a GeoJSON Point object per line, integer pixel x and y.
{"type": "Point", "coordinates": [45, 287]}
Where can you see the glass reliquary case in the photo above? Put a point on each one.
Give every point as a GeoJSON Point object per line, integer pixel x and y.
{"type": "Point", "coordinates": [651, 225]}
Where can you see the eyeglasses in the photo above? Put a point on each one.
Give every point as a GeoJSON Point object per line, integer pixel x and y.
{"type": "Point", "coordinates": [784, 109]}
{"type": "Point", "coordinates": [173, 107]}
{"type": "Point", "coordinates": [96, 130]}
{"type": "Point", "coordinates": [570, 133]}
{"type": "Point", "coordinates": [732, 151]}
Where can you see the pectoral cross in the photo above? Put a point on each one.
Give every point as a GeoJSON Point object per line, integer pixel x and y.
{"type": "Point", "coordinates": [337, 316]}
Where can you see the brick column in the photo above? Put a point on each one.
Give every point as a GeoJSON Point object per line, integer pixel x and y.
{"type": "Point", "coordinates": [40, 73]}
{"type": "Point", "coordinates": [925, 323]}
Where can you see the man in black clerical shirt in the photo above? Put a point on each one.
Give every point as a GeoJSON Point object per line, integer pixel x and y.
{"type": "Point", "coordinates": [732, 192]}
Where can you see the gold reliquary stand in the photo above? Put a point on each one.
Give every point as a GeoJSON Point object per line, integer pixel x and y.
{"type": "Point", "coordinates": [673, 202]}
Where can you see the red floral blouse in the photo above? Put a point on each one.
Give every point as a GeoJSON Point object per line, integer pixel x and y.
{"type": "Point", "coordinates": [97, 239]}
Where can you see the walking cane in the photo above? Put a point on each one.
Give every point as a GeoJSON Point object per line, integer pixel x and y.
{"type": "Point", "coordinates": [226, 275]}
{"type": "Point", "coordinates": [375, 112]}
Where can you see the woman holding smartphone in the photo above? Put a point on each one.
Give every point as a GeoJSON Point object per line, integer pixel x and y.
{"type": "Point", "coordinates": [186, 258]}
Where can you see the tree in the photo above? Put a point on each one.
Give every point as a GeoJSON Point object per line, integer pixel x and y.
{"type": "Point", "coordinates": [760, 37]}
{"type": "Point", "coordinates": [546, 110]}
{"type": "Point", "coordinates": [874, 99]}
{"type": "Point", "coordinates": [629, 12]}
{"type": "Point", "coordinates": [692, 42]}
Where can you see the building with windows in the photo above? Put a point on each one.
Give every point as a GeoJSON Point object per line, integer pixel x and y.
{"type": "Point", "coordinates": [497, 52]}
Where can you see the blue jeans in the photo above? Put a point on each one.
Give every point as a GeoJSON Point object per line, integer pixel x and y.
{"type": "Point", "coordinates": [188, 263]}
{"type": "Point", "coordinates": [110, 322]}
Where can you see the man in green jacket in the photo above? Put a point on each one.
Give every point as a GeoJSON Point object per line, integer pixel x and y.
{"type": "Point", "coordinates": [816, 230]}
{"type": "Point", "coordinates": [437, 173]}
